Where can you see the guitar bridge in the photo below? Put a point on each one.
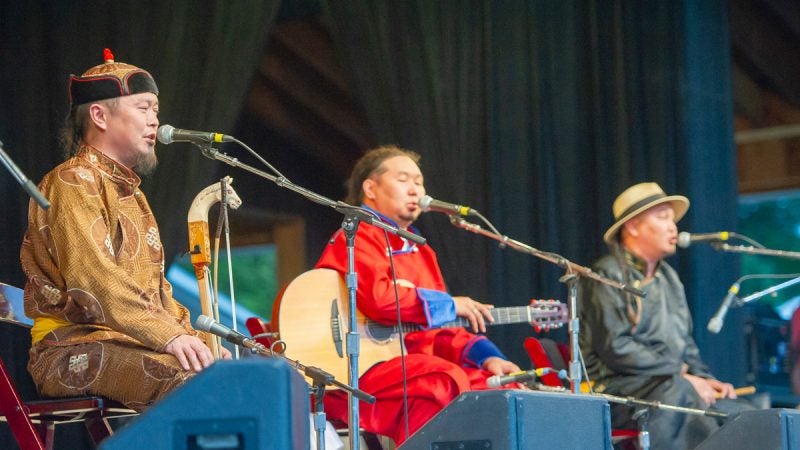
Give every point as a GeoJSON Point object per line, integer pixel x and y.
{"type": "Point", "coordinates": [336, 327]}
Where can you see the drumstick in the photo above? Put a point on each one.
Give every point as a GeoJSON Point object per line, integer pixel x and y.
{"type": "Point", "coordinates": [744, 390]}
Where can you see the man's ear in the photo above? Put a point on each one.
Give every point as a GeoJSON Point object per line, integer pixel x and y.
{"type": "Point", "coordinates": [368, 186]}
{"type": "Point", "coordinates": [630, 227]}
{"type": "Point", "coordinates": [98, 114]}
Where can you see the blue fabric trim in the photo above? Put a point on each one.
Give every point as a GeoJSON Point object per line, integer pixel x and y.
{"type": "Point", "coordinates": [481, 350]}
{"type": "Point", "coordinates": [411, 249]}
{"type": "Point", "coordinates": [439, 306]}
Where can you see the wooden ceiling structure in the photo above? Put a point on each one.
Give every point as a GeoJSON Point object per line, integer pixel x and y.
{"type": "Point", "coordinates": [303, 93]}
{"type": "Point", "coordinates": [765, 45]}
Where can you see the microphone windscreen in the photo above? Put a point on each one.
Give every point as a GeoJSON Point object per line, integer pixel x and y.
{"type": "Point", "coordinates": [493, 382]}
{"type": "Point", "coordinates": [203, 323]}
{"type": "Point", "coordinates": [164, 134]}
{"type": "Point", "coordinates": [715, 325]}
{"type": "Point", "coordinates": [425, 202]}
{"type": "Point", "coordinates": [684, 239]}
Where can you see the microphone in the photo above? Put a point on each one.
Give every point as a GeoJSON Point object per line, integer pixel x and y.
{"type": "Point", "coordinates": [495, 381]}
{"type": "Point", "coordinates": [715, 324]}
{"type": "Point", "coordinates": [206, 323]}
{"type": "Point", "coordinates": [428, 203]}
{"type": "Point", "coordinates": [686, 239]}
{"type": "Point", "coordinates": [167, 134]}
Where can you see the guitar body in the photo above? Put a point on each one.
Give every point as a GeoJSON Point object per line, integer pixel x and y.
{"type": "Point", "coordinates": [312, 320]}
{"type": "Point", "coordinates": [315, 332]}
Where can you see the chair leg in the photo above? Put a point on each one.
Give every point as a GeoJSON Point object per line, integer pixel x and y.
{"type": "Point", "coordinates": [26, 435]}
{"type": "Point", "coordinates": [372, 441]}
{"type": "Point", "coordinates": [47, 430]}
{"type": "Point", "coordinates": [644, 440]}
{"type": "Point", "coordinates": [11, 407]}
{"type": "Point", "coordinates": [98, 428]}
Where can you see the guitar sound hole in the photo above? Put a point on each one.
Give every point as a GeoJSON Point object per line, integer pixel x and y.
{"type": "Point", "coordinates": [379, 333]}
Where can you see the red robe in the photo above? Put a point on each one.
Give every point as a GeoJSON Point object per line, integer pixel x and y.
{"type": "Point", "coordinates": [440, 363]}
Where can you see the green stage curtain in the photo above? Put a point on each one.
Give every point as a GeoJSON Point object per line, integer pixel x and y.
{"type": "Point", "coordinates": [539, 114]}
{"type": "Point", "coordinates": [203, 56]}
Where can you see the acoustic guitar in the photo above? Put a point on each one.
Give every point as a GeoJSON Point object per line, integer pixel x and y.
{"type": "Point", "coordinates": [313, 313]}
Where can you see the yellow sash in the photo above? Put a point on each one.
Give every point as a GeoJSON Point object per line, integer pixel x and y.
{"type": "Point", "coordinates": [44, 325]}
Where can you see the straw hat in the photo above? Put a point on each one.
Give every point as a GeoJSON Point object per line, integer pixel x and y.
{"type": "Point", "coordinates": [639, 198]}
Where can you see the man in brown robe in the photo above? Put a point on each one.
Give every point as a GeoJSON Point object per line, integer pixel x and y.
{"type": "Point", "coordinates": [105, 321]}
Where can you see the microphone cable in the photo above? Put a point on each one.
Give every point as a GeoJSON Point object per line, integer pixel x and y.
{"type": "Point", "coordinates": [252, 152]}
{"type": "Point", "coordinates": [489, 224]}
{"type": "Point", "coordinates": [400, 335]}
{"type": "Point", "coordinates": [747, 239]}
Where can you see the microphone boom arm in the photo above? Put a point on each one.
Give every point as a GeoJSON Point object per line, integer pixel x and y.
{"type": "Point", "coordinates": [720, 246]}
{"type": "Point", "coordinates": [759, 294]}
{"type": "Point", "coordinates": [342, 207]}
{"type": "Point", "coordinates": [319, 376]}
{"type": "Point", "coordinates": [26, 184]}
{"type": "Point", "coordinates": [573, 271]}
{"type": "Point", "coordinates": [658, 405]}
{"type": "Point", "coordinates": [550, 257]}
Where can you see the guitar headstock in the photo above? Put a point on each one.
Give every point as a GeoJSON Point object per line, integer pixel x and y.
{"type": "Point", "coordinates": [548, 315]}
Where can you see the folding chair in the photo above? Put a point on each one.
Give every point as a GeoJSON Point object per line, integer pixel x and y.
{"type": "Point", "coordinates": [11, 304]}
{"type": "Point", "coordinates": [31, 418]}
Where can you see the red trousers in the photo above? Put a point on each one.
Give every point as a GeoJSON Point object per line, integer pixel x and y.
{"type": "Point", "coordinates": [433, 383]}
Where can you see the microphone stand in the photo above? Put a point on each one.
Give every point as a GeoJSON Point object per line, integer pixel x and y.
{"type": "Point", "coordinates": [320, 379]}
{"type": "Point", "coordinates": [573, 272]}
{"type": "Point", "coordinates": [353, 216]}
{"type": "Point", "coordinates": [641, 415]}
{"type": "Point", "coordinates": [759, 294]}
{"type": "Point", "coordinates": [26, 184]}
{"type": "Point", "coordinates": [720, 246]}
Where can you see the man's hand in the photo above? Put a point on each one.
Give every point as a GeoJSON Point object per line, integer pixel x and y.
{"type": "Point", "coordinates": [723, 390]}
{"type": "Point", "coordinates": [405, 283]}
{"type": "Point", "coordinates": [710, 389]}
{"type": "Point", "coordinates": [475, 312]}
{"type": "Point", "coordinates": [191, 352]}
{"type": "Point", "coordinates": [499, 366]}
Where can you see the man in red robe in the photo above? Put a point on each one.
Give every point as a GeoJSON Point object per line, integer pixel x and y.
{"type": "Point", "coordinates": [440, 363]}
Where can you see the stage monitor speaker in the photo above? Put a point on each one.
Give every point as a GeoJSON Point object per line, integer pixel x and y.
{"type": "Point", "coordinates": [516, 420]}
{"type": "Point", "coordinates": [250, 404]}
{"type": "Point", "coordinates": [767, 429]}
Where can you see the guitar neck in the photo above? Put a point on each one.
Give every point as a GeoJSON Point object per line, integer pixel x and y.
{"type": "Point", "coordinates": [506, 315]}
{"type": "Point", "coordinates": [502, 316]}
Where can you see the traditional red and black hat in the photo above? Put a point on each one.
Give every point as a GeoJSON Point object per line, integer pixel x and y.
{"type": "Point", "coordinates": [109, 80]}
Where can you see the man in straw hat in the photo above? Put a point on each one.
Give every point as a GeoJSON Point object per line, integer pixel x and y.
{"type": "Point", "coordinates": [643, 347]}
{"type": "Point", "coordinates": [105, 321]}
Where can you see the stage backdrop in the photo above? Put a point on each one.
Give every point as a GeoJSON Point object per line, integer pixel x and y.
{"type": "Point", "coordinates": [202, 57]}
{"type": "Point", "coordinates": [536, 113]}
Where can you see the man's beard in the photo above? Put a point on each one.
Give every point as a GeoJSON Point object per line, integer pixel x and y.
{"type": "Point", "coordinates": [146, 164]}
{"type": "Point", "coordinates": [410, 217]}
